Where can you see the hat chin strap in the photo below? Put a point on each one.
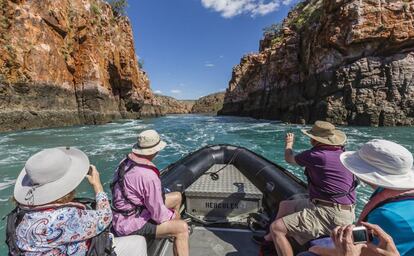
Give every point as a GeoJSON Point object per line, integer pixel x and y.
{"type": "Point", "coordinates": [147, 147]}
{"type": "Point", "coordinates": [29, 198]}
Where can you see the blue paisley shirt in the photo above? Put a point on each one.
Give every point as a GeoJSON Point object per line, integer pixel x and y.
{"type": "Point", "coordinates": [64, 230]}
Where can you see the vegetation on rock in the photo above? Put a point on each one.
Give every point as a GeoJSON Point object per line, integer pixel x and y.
{"type": "Point", "coordinates": [118, 7]}
{"type": "Point", "coordinates": [349, 62]}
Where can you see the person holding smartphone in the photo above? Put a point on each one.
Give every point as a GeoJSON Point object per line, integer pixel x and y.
{"type": "Point", "coordinates": [346, 244]}
{"type": "Point", "coordinates": [388, 168]}
{"type": "Point", "coordinates": [50, 221]}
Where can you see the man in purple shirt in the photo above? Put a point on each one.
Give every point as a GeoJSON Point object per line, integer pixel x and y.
{"type": "Point", "coordinates": [138, 204]}
{"type": "Point", "coordinates": [331, 191]}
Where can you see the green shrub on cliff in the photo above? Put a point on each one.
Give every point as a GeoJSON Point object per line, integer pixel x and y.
{"type": "Point", "coordinates": [95, 9]}
{"type": "Point", "coordinates": [272, 30]}
{"type": "Point", "coordinates": [140, 63]}
{"type": "Point", "coordinates": [309, 12]}
{"type": "Point", "coordinates": [118, 7]}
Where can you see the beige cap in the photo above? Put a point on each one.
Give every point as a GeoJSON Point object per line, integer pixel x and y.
{"type": "Point", "coordinates": [149, 143]}
{"type": "Point", "coordinates": [325, 132]}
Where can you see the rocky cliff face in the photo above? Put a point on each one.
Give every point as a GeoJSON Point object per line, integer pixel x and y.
{"type": "Point", "coordinates": [169, 105]}
{"type": "Point", "coordinates": [68, 62]}
{"type": "Point", "coordinates": [209, 104]}
{"type": "Point", "coordinates": [350, 62]}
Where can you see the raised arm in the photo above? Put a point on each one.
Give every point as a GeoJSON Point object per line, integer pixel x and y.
{"type": "Point", "coordinates": [289, 155]}
{"type": "Point", "coordinates": [90, 223]}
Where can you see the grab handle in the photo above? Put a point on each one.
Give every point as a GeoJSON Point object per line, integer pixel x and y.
{"type": "Point", "coordinates": [270, 186]}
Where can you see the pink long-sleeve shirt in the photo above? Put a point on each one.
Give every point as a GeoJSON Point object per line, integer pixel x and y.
{"type": "Point", "coordinates": [143, 187]}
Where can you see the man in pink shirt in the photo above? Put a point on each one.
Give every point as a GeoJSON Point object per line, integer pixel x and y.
{"type": "Point", "coordinates": [138, 204]}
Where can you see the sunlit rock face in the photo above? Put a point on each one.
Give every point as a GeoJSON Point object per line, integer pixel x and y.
{"type": "Point", "coordinates": [208, 104]}
{"type": "Point", "coordinates": [350, 62]}
{"type": "Point", "coordinates": [170, 105]}
{"type": "Point", "coordinates": [211, 103]}
{"type": "Point", "coordinates": [65, 62]}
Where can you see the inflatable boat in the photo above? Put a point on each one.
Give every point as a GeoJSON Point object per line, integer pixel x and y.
{"type": "Point", "coordinates": [229, 193]}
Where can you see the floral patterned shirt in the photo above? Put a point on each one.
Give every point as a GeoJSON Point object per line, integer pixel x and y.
{"type": "Point", "coordinates": [63, 230]}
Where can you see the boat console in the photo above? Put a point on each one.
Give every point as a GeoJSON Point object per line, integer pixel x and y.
{"type": "Point", "coordinates": [227, 197]}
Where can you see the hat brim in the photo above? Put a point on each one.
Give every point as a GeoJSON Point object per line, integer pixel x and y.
{"type": "Point", "coordinates": [338, 139]}
{"type": "Point", "coordinates": [149, 151]}
{"type": "Point", "coordinates": [52, 191]}
{"type": "Point", "coordinates": [373, 175]}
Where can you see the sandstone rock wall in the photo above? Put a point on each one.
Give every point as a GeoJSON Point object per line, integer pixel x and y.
{"type": "Point", "coordinates": [350, 62]}
{"type": "Point", "coordinates": [169, 105]}
{"type": "Point", "coordinates": [209, 104]}
{"type": "Point", "coordinates": [65, 62]}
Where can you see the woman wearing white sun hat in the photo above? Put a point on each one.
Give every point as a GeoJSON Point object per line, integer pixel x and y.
{"type": "Point", "coordinates": [53, 223]}
{"type": "Point", "coordinates": [388, 168]}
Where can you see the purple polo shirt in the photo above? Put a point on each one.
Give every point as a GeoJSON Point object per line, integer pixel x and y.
{"type": "Point", "coordinates": [327, 174]}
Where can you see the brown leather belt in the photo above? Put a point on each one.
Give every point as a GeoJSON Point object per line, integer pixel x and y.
{"type": "Point", "coordinates": [331, 204]}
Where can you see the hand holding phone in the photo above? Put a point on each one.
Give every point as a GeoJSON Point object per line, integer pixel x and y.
{"type": "Point", "coordinates": [386, 246]}
{"type": "Point", "coordinates": [344, 241]}
{"type": "Point", "coordinates": [361, 235]}
{"type": "Point", "coordinates": [94, 179]}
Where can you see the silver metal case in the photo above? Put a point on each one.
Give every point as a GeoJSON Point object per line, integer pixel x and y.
{"type": "Point", "coordinates": [230, 196]}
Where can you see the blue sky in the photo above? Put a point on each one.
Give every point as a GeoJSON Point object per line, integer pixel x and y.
{"type": "Point", "coordinates": [189, 47]}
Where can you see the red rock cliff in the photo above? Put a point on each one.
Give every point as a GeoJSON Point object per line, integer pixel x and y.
{"type": "Point", "coordinates": [345, 61]}
{"type": "Point", "coordinates": [68, 62]}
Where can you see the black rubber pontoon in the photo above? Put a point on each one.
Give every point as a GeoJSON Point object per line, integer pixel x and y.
{"type": "Point", "coordinates": [275, 182]}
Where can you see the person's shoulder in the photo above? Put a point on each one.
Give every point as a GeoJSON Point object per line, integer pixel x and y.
{"type": "Point", "coordinates": [139, 172]}
{"type": "Point", "coordinates": [403, 207]}
{"type": "Point", "coordinates": [393, 212]}
{"type": "Point", "coordinates": [54, 214]}
{"type": "Point", "coordinates": [312, 153]}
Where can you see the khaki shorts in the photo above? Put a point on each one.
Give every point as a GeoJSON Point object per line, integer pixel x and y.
{"type": "Point", "coordinates": [311, 221]}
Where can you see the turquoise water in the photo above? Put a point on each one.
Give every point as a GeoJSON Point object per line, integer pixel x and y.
{"type": "Point", "coordinates": [107, 144]}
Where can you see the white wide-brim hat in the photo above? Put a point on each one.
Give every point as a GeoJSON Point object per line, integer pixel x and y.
{"type": "Point", "coordinates": [149, 143]}
{"type": "Point", "coordinates": [49, 175]}
{"type": "Point", "coordinates": [382, 163]}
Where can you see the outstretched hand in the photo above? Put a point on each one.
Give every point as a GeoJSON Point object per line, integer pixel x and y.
{"type": "Point", "coordinates": [289, 139]}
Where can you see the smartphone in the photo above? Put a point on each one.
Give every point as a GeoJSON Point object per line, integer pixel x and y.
{"type": "Point", "coordinates": [360, 235]}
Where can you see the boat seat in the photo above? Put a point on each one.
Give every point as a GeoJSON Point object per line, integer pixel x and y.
{"type": "Point", "coordinates": [133, 245]}
{"type": "Point", "coordinates": [307, 254]}
{"type": "Point", "coordinates": [322, 242]}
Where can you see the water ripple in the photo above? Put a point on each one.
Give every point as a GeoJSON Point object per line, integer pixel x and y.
{"type": "Point", "coordinates": [107, 144]}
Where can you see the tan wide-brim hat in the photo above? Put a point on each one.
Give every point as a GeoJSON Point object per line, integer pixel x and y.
{"type": "Point", "coordinates": [382, 163]}
{"type": "Point", "coordinates": [49, 175]}
{"type": "Point", "coordinates": [149, 143]}
{"type": "Point", "coordinates": [326, 133]}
